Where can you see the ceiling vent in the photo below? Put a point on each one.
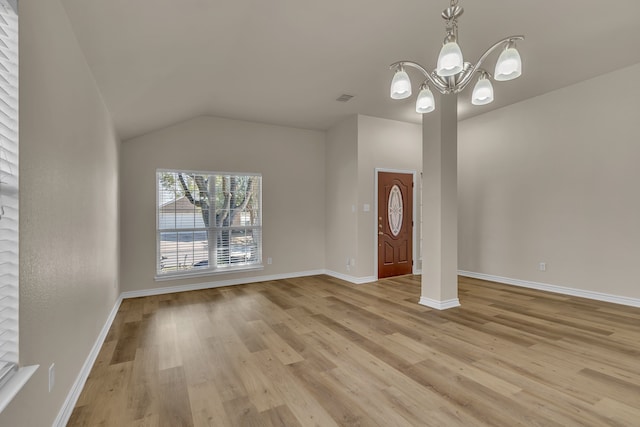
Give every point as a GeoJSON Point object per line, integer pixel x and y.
{"type": "Point", "coordinates": [344, 97]}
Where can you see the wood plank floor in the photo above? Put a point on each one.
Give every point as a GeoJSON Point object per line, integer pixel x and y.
{"type": "Point", "coordinates": [317, 351]}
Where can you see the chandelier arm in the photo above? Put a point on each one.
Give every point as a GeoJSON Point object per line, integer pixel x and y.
{"type": "Point", "coordinates": [440, 85]}
{"type": "Point", "coordinates": [465, 81]}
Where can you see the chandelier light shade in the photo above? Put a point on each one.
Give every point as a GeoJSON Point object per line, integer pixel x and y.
{"type": "Point", "coordinates": [425, 103]}
{"type": "Point", "coordinates": [482, 91]}
{"type": "Point", "coordinates": [509, 65]}
{"type": "Point", "coordinates": [450, 61]}
{"type": "Point", "coordinates": [400, 85]}
{"type": "Point", "coordinates": [452, 74]}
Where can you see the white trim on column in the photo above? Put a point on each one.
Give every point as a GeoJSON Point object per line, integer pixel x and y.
{"type": "Point", "coordinates": [599, 296]}
{"type": "Point", "coordinates": [439, 305]}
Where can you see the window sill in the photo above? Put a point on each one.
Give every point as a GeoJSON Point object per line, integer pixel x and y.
{"type": "Point", "coordinates": [15, 383]}
{"type": "Point", "coordinates": [185, 275]}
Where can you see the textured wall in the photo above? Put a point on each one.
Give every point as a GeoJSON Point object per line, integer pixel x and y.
{"type": "Point", "coordinates": [355, 148]}
{"type": "Point", "coordinates": [386, 144]}
{"type": "Point", "coordinates": [555, 179]}
{"type": "Point", "coordinates": [342, 196]}
{"type": "Point", "coordinates": [68, 211]}
{"type": "Point", "coordinates": [291, 162]}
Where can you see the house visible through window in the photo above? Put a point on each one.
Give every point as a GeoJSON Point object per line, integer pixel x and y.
{"type": "Point", "coordinates": [208, 222]}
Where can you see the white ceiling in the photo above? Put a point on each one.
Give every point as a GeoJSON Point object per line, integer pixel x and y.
{"type": "Point", "coordinates": [158, 62]}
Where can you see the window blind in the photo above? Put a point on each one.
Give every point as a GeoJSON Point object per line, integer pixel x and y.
{"type": "Point", "coordinates": [8, 189]}
{"type": "Point", "coordinates": [208, 221]}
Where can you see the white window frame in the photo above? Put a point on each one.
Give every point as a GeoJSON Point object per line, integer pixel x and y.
{"type": "Point", "coordinates": [213, 267]}
{"type": "Point", "coordinates": [12, 375]}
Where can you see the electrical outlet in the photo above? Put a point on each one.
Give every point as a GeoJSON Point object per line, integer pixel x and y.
{"type": "Point", "coordinates": [542, 266]}
{"type": "Point", "coordinates": [269, 261]}
{"type": "Point", "coordinates": [52, 376]}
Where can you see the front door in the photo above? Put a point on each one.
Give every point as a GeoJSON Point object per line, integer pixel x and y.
{"type": "Point", "coordinates": [395, 224]}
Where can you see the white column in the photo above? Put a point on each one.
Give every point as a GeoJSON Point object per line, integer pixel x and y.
{"type": "Point", "coordinates": [440, 205]}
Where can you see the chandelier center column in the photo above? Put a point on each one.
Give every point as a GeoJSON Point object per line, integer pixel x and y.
{"type": "Point", "coordinates": [440, 206]}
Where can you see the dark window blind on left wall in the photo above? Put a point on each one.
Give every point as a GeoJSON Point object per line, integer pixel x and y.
{"type": "Point", "coordinates": [8, 189]}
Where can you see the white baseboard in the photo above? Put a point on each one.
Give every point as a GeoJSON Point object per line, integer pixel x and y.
{"type": "Point", "coordinates": [72, 398]}
{"type": "Point", "coordinates": [352, 279]}
{"type": "Point", "coordinates": [217, 284]}
{"type": "Point", "coordinates": [439, 305]}
{"type": "Point", "coordinates": [244, 281]}
{"type": "Point", "coordinates": [598, 296]}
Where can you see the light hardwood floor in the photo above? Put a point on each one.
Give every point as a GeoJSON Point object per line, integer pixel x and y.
{"type": "Point", "coordinates": [317, 351]}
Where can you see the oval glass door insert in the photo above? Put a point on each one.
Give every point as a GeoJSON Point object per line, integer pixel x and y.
{"type": "Point", "coordinates": [394, 210]}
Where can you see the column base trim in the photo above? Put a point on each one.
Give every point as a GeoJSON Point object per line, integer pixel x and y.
{"type": "Point", "coordinates": [439, 305]}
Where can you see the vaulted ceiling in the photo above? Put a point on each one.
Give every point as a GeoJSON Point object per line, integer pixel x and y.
{"type": "Point", "coordinates": [158, 62]}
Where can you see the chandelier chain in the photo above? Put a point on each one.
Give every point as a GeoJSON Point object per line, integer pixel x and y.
{"type": "Point", "coordinates": [452, 21]}
{"type": "Point", "coordinates": [452, 26]}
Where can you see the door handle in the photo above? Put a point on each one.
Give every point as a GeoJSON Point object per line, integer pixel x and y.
{"type": "Point", "coordinates": [380, 233]}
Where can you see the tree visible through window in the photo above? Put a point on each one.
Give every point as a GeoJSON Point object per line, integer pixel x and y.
{"type": "Point", "coordinates": [208, 221]}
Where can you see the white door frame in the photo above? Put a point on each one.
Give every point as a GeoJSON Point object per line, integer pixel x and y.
{"type": "Point", "coordinates": [375, 222]}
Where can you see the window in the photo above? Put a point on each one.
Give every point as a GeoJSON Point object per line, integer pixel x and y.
{"type": "Point", "coordinates": [8, 190]}
{"type": "Point", "coordinates": [208, 222]}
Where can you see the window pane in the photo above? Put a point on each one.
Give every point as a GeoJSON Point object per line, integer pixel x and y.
{"type": "Point", "coordinates": [188, 215]}
{"type": "Point", "coordinates": [244, 249]}
{"type": "Point", "coordinates": [183, 250]}
{"type": "Point", "coordinates": [252, 203]}
{"type": "Point", "coordinates": [168, 252]}
{"type": "Point", "coordinates": [223, 254]}
{"type": "Point", "coordinates": [253, 244]}
{"type": "Point", "coordinates": [192, 249]}
{"type": "Point", "coordinates": [238, 247]}
{"type": "Point", "coordinates": [183, 200]}
{"type": "Point", "coordinates": [166, 199]}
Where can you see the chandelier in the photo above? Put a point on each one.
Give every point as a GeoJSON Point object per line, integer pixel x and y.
{"type": "Point", "coordinates": [452, 74]}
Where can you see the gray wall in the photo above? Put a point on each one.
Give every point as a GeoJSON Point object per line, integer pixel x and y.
{"type": "Point", "coordinates": [342, 196]}
{"type": "Point", "coordinates": [68, 211]}
{"type": "Point", "coordinates": [550, 179]}
{"type": "Point", "coordinates": [386, 144]}
{"type": "Point", "coordinates": [291, 162]}
{"type": "Point", "coordinates": [355, 148]}
{"type": "Point", "coordinates": [555, 179]}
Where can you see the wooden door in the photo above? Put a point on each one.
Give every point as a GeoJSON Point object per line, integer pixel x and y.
{"type": "Point", "coordinates": [395, 224]}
